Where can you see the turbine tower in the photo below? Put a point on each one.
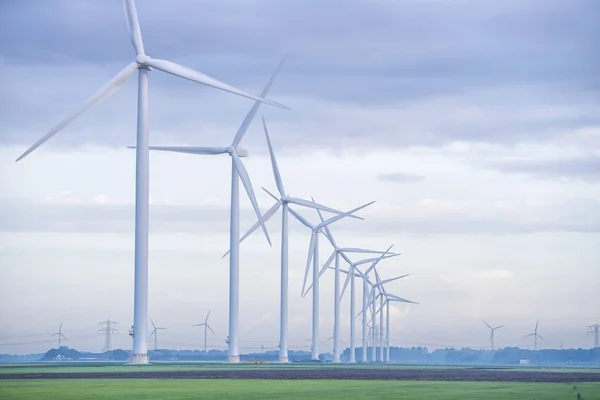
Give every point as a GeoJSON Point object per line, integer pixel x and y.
{"type": "Point", "coordinates": [142, 64]}
{"type": "Point", "coordinates": [313, 255]}
{"type": "Point", "coordinates": [206, 326]}
{"type": "Point", "coordinates": [283, 201]}
{"type": "Point", "coordinates": [60, 335]}
{"type": "Point", "coordinates": [155, 334]}
{"type": "Point", "coordinates": [238, 171]}
{"type": "Point", "coordinates": [492, 330]}
{"type": "Point", "coordinates": [535, 335]}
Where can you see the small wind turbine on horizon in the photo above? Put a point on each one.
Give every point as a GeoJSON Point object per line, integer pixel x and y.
{"type": "Point", "coordinates": [492, 330]}
{"type": "Point", "coordinates": [155, 333]}
{"type": "Point", "coordinates": [142, 64]}
{"type": "Point", "coordinates": [207, 326]}
{"type": "Point", "coordinates": [238, 172]}
{"type": "Point", "coordinates": [60, 335]}
{"type": "Point", "coordinates": [535, 335]}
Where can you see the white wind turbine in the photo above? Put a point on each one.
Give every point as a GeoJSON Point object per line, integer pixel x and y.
{"type": "Point", "coordinates": [60, 335]}
{"type": "Point", "coordinates": [155, 334]}
{"type": "Point", "coordinates": [206, 326]}
{"type": "Point", "coordinates": [492, 330]}
{"type": "Point", "coordinates": [283, 201]}
{"type": "Point", "coordinates": [369, 289]}
{"type": "Point", "coordinates": [142, 64]}
{"type": "Point", "coordinates": [387, 298]}
{"type": "Point", "coordinates": [313, 255]}
{"type": "Point", "coordinates": [535, 335]}
{"type": "Point", "coordinates": [337, 251]}
{"type": "Point", "coordinates": [238, 171]}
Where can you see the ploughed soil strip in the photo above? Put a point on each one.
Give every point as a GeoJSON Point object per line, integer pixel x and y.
{"type": "Point", "coordinates": [338, 374]}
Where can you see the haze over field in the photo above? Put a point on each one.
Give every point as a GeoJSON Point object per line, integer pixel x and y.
{"type": "Point", "coordinates": [474, 125]}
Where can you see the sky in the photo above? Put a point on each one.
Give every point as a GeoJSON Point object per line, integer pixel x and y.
{"type": "Point", "coordinates": [474, 126]}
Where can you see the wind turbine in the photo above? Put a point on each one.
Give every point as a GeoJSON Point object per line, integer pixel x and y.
{"type": "Point", "coordinates": [492, 330]}
{"type": "Point", "coordinates": [207, 326]}
{"type": "Point", "coordinates": [337, 251]}
{"type": "Point", "coordinates": [283, 202]}
{"type": "Point", "coordinates": [238, 171]}
{"type": "Point", "coordinates": [60, 335]}
{"type": "Point", "coordinates": [142, 64]}
{"type": "Point", "coordinates": [535, 335]}
{"type": "Point", "coordinates": [341, 252]}
{"type": "Point", "coordinates": [155, 333]}
{"type": "Point", "coordinates": [387, 297]}
{"type": "Point", "coordinates": [313, 255]}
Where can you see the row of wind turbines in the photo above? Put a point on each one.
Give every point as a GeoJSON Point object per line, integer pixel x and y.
{"type": "Point", "coordinates": [373, 289]}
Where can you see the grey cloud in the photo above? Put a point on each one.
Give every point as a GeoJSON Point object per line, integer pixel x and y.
{"type": "Point", "coordinates": [586, 168]}
{"type": "Point", "coordinates": [359, 72]}
{"type": "Point", "coordinates": [399, 177]}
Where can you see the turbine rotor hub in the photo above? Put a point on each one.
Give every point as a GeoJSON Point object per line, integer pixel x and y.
{"type": "Point", "coordinates": [141, 59]}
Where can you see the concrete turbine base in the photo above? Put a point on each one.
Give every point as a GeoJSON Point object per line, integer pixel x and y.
{"type": "Point", "coordinates": [139, 359]}
{"type": "Point", "coordinates": [234, 359]}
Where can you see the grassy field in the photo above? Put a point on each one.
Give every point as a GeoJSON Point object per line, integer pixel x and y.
{"type": "Point", "coordinates": [257, 389]}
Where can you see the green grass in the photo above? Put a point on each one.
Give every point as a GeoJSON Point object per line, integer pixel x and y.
{"type": "Point", "coordinates": [258, 389]}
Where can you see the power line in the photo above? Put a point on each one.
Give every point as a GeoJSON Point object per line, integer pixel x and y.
{"type": "Point", "coordinates": [108, 330]}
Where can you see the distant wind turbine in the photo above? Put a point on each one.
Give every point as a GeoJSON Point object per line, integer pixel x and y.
{"type": "Point", "coordinates": [59, 334]}
{"type": "Point", "coordinates": [535, 335]}
{"type": "Point", "coordinates": [207, 326]}
{"type": "Point", "coordinates": [492, 330]}
{"type": "Point", "coordinates": [142, 64]}
{"type": "Point", "coordinates": [155, 333]}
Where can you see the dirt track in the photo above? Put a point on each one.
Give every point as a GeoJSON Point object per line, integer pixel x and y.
{"type": "Point", "coordinates": [355, 374]}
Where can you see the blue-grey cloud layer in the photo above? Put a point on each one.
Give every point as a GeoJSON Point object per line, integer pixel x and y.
{"type": "Point", "coordinates": [365, 54]}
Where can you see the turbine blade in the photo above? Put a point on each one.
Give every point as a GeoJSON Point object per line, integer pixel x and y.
{"type": "Point", "coordinates": [329, 260]}
{"type": "Point", "coordinates": [208, 326]}
{"type": "Point", "coordinates": [311, 251]}
{"type": "Point", "coordinates": [239, 166]}
{"type": "Point", "coordinates": [317, 206]}
{"type": "Point", "coordinates": [195, 76]}
{"type": "Point", "coordinates": [536, 325]}
{"type": "Point", "coordinates": [348, 277]}
{"type": "Point", "coordinates": [393, 279]}
{"type": "Point", "coordinates": [531, 334]}
{"type": "Point", "coordinates": [266, 217]}
{"type": "Point", "coordinates": [133, 25]}
{"type": "Point", "coordinates": [64, 337]}
{"type": "Point", "coordinates": [252, 113]}
{"type": "Point", "coordinates": [188, 149]}
{"type": "Point", "coordinates": [488, 325]}
{"type": "Point", "coordinates": [274, 165]}
{"type": "Point", "coordinates": [357, 250]}
{"type": "Point", "coordinates": [501, 326]}
{"type": "Point", "coordinates": [300, 218]}
{"type": "Point", "coordinates": [152, 322]}
{"type": "Point", "coordinates": [392, 297]}
{"type": "Point", "coordinates": [376, 259]}
{"type": "Point", "coordinates": [540, 336]}
{"type": "Point", "coordinates": [202, 324]}
{"type": "Point", "coordinates": [105, 92]}
{"type": "Point", "coordinates": [340, 216]}
{"type": "Point", "coordinates": [207, 315]}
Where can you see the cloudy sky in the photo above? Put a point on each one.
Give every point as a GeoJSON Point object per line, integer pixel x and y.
{"type": "Point", "coordinates": [473, 124]}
